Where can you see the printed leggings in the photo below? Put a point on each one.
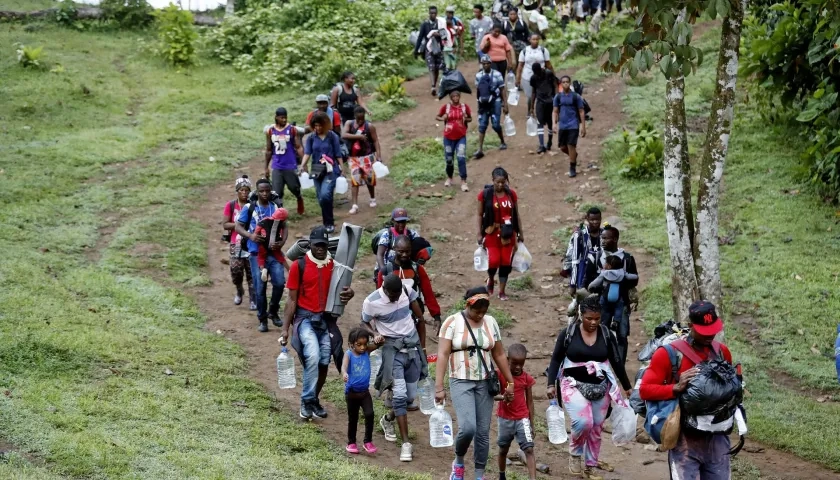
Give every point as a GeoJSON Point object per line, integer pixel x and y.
{"type": "Point", "coordinates": [587, 418]}
{"type": "Point", "coordinates": [240, 269]}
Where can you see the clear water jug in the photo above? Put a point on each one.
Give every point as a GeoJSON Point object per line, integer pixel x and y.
{"type": "Point", "coordinates": [440, 428]}
{"type": "Point", "coordinates": [341, 185]}
{"type": "Point", "coordinates": [380, 169]}
{"type": "Point", "coordinates": [426, 392]}
{"type": "Point", "coordinates": [513, 97]}
{"type": "Point", "coordinates": [305, 181]}
{"type": "Point", "coordinates": [480, 260]}
{"type": "Point", "coordinates": [556, 423]}
{"type": "Point", "coordinates": [285, 369]}
{"type": "Point", "coordinates": [375, 363]}
{"type": "Point", "coordinates": [510, 128]}
{"type": "Point", "coordinates": [510, 81]}
{"type": "Point", "coordinates": [531, 127]}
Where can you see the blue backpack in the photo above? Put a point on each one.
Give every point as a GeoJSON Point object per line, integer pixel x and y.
{"type": "Point", "coordinates": [613, 292]}
{"type": "Point", "coordinates": [485, 91]}
{"type": "Point", "coordinates": [657, 411]}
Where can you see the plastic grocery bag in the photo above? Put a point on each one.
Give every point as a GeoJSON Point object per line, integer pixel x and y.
{"type": "Point", "coordinates": [624, 424]}
{"type": "Point", "coordinates": [521, 259]}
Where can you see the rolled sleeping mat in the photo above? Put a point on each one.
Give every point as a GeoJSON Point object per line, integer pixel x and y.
{"type": "Point", "coordinates": [300, 247]}
{"type": "Point", "coordinates": [345, 261]}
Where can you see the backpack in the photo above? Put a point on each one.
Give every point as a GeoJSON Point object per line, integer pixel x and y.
{"type": "Point", "coordinates": [356, 143]}
{"type": "Point", "coordinates": [252, 200]}
{"type": "Point", "coordinates": [484, 90]}
{"type": "Point", "coordinates": [389, 269]}
{"type": "Point", "coordinates": [577, 87]}
{"type": "Point", "coordinates": [374, 242]}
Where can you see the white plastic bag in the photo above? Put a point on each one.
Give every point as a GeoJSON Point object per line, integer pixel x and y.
{"type": "Point", "coordinates": [624, 424]}
{"type": "Point", "coordinates": [521, 259]}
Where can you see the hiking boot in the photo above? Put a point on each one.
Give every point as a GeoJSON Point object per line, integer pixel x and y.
{"type": "Point", "coordinates": [263, 326]}
{"type": "Point", "coordinates": [478, 154]}
{"type": "Point", "coordinates": [237, 300]}
{"type": "Point", "coordinates": [589, 474]}
{"type": "Point", "coordinates": [305, 411]}
{"type": "Point", "coordinates": [405, 452]}
{"type": "Point", "coordinates": [541, 150]}
{"type": "Point", "coordinates": [318, 410]}
{"type": "Point", "coordinates": [388, 428]}
{"type": "Point", "coordinates": [300, 207]}
{"type": "Point", "coordinates": [575, 465]}
{"type": "Point", "coordinates": [275, 319]}
{"type": "Point", "coordinates": [572, 171]}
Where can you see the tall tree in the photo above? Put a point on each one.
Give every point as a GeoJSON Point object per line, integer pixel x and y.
{"type": "Point", "coordinates": [230, 8]}
{"type": "Point", "coordinates": [663, 38]}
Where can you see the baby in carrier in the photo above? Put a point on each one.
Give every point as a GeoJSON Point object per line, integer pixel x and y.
{"type": "Point", "coordinates": [613, 295]}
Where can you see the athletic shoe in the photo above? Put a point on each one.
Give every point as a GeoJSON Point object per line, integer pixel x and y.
{"type": "Point", "coordinates": [589, 474]}
{"type": "Point", "coordinates": [237, 300]}
{"type": "Point", "coordinates": [413, 407]}
{"type": "Point", "coordinates": [388, 428]}
{"type": "Point", "coordinates": [352, 448]}
{"type": "Point", "coordinates": [448, 182]}
{"type": "Point", "coordinates": [318, 410]}
{"type": "Point", "coordinates": [477, 155]}
{"type": "Point", "coordinates": [457, 472]}
{"type": "Point", "coordinates": [354, 209]}
{"type": "Point", "coordinates": [275, 319]}
{"type": "Point", "coordinates": [253, 306]}
{"type": "Point", "coordinates": [305, 411]}
{"type": "Point", "coordinates": [405, 452]}
{"type": "Point", "coordinates": [541, 150]}
{"type": "Point", "coordinates": [490, 284]}
{"type": "Point", "coordinates": [575, 465]}
{"type": "Point", "coordinates": [503, 146]}
{"type": "Point", "coordinates": [372, 203]}
{"type": "Point", "coordinates": [300, 207]}
{"type": "Point", "coordinates": [572, 171]}
{"type": "Point", "coordinates": [263, 326]}
{"type": "Point", "coordinates": [370, 447]}
{"type": "Point", "coordinates": [464, 187]}
{"type": "Point", "coordinates": [330, 228]}
{"type": "Point", "coordinates": [503, 297]}
{"type": "Point", "coordinates": [264, 274]}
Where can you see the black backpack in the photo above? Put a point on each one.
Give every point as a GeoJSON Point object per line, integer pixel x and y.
{"type": "Point", "coordinates": [252, 200]}
{"type": "Point", "coordinates": [577, 87]}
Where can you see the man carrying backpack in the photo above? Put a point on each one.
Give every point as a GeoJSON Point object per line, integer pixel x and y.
{"type": "Point", "coordinates": [431, 48]}
{"type": "Point", "coordinates": [569, 121]}
{"type": "Point", "coordinates": [322, 103]}
{"type": "Point", "coordinates": [701, 452]}
{"type": "Point", "coordinates": [490, 90]}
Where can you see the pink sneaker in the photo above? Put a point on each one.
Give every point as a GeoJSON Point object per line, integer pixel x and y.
{"type": "Point", "coordinates": [370, 448]}
{"type": "Point", "coordinates": [352, 448]}
{"type": "Point", "coordinates": [457, 472]}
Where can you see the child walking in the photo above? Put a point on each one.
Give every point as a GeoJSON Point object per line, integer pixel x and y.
{"type": "Point", "coordinates": [517, 417]}
{"type": "Point", "coordinates": [355, 369]}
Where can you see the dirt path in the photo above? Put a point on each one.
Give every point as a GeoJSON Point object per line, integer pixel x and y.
{"type": "Point", "coordinates": [542, 185]}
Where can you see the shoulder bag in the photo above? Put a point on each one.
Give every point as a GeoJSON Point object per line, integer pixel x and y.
{"type": "Point", "coordinates": [493, 386]}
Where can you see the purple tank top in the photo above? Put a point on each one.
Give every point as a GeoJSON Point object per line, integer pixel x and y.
{"type": "Point", "coordinates": [283, 148]}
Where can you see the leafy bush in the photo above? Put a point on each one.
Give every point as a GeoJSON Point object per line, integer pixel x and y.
{"type": "Point", "coordinates": [644, 153]}
{"type": "Point", "coordinates": [792, 49]}
{"type": "Point", "coordinates": [65, 14]}
{"type": "Point", "coordinates": [127, 13]}
{"type": "Point", "coordinates": [392, 90]}
{"type": "Point", "coordinates": [30, 57]}
{"type": "Point", "coordinates": [177, 35]}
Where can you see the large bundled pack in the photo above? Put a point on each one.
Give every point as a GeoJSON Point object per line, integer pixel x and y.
{"type": "Point", "coordinates": [453, 81]}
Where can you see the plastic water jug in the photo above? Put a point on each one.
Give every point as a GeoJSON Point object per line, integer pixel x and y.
{"type": "Point", "coordinates": [837, 353]}
{"type": "Point", "coordinates": [341, 185]}
{"type": "Point", "coordinates": [305, 181]}
{"type": "Point", "coordinates": [426, 391]}
{"type": "Point", "coordinates": [375, 364]}
{"type": "Point", "coordinates": [531, 127]}
{"type": "Point", "coordinates": [440, 428]}
{"type": "Point", "coordinates": [380, 169]}
{"type": "Point", "coordinates": [510, 81]}
{"type": "Point", "coordinates": [510, 128]}
{"type": "Point", "coordinates": [513, 97]}
{"type": "Point", "coordinates": [481, 261]}
{"type": "Point", "coordinates": [556, 423]}
{"type": "Point", "coordinates": [285, 369]}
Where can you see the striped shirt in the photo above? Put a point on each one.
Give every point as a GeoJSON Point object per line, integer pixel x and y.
{"type": "Point", "coordinates": [392, 319]}
{"type": "Point", "coordinates": [462, 364]}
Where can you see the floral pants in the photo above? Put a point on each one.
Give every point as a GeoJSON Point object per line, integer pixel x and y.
{"type": "Point", "coordinates": [587, 417]}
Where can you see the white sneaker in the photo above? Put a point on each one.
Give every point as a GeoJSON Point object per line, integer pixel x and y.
{"type": "Point", "coordinates": [448, 182]}
{"type": "Point", "coordinates": [388, 429]}
{"type": "Point", "coordinates": [405, 452]}
{"type": "Point", "coordinates": [372, 203]}
{"type": "Point", "coordinates": [354, 209]}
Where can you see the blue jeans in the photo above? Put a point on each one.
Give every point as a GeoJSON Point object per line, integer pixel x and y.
{"type": "Point", "coordinates": [493, 113]}
{"type": "Point", "coordinates": [278, 282]}
{"type": "Point", "coordinates": [316, 352]}
{"type": "Point", "coordinates": [406, 374]}
{"type": "Point", "coordinates": [700, 455]}
{"type": "Point", "coordinates": [324, 190]}
{"type": "Point", "coordinates": [452, 149]}
{"type": "Point", "coordinates": [618, 314]}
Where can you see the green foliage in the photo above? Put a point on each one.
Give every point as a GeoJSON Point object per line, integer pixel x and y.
{"type": "Point", "coordinates": [792, 50]}
{"type": "Point", "coordinates": [65, 14]}
{"type": "Point", "coordinates": [392, 90]}
{"type": "Point", "coordinates": [29, 57]}
{"type": "Point", "coordinates": [177, 35]}
{"type": "Point", "coordinates": [127, 13]}
{"type": "Point", "coordinates": [644, 149]}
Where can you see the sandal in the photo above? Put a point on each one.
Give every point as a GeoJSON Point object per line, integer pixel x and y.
{"type": "Point", "coordinates": [354, 209]}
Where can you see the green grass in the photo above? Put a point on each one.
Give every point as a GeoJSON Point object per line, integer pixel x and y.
{"type": "Point", "coordinates": [525, 282]}
{"type": "Point", "coordinates": [778, 236]}
{"type": "Point", "coordinates": [27, 5]}
{"type": "Point", "coordinates": [120, 142]}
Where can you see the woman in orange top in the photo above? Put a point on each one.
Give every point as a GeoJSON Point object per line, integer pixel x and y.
{"type": "Point", "coordinates": [498, 48]}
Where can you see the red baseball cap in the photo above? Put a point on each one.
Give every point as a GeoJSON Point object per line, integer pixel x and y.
{"type": "Point", "coordinates": [704, 318]}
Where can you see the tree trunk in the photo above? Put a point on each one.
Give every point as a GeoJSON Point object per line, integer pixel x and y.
{"type": "Point", "coordinates": [229, 9]}
{"type": "Point", "coordinates": [677, 205]}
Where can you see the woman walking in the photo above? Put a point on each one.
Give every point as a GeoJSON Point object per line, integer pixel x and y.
{"type": "Point", "coordinates": [587, 365]}
{"type": "Point", "coordinates": [456, 116]}
{"type": "Point", "coordinates": [345, 98]}
{"type": "Point", "coordinates": [323, 147]}
{"type": "Point", "coordinates": [499, 49]}
{"type": "Point", "coordinates": [499, 228]}
{"type": "Point", "coordinates": [533, 54]}
{"type": "Point", "coordinates": [470, 341]}
{"type": "Point", "coordinates": [239, 263]}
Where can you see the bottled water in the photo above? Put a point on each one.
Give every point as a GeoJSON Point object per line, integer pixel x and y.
{"type": "Point", "coordinates": [285, 369]}
{"type": "Point", "coordinates": [341, 185]}
{"type": "Point", "coordinates": [510, 128]}
{"type": "Point", "coordinates": [556, 423]}
{"type": "Point", "coordinates": [531, 127]}
{"type": "Point", "coordinates": [480, 260]}
{"type": "Point", "coordinates": [375, 363]}
{"type": "Point", "coordinates": [837, 353]}
{"type": "Point", "coordinates": [440, 428]}
{"type": "Point", "coordinates": [306, 181]}
{"type": "Point", "coordinates": [380, 169]}
{"type": "Point", "coordinates": [426, 391]}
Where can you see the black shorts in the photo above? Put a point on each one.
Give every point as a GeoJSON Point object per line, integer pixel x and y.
{"type": "Point", "coordinates": [568, 137]}
{"type": "Point", "coordinates": [543, 111]}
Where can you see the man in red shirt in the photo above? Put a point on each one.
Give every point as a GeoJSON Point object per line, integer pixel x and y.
{"type": "Point", "coordinates": [516, 418]}
{"type": "Point", "coordinates": [316, 334]}
{"type": "Point", "coordinates": [322, 102]}
{"type": "Point", "coordinates": [698, 455]}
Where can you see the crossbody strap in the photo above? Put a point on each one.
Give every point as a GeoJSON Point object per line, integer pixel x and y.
{"type": "Point", "coordinates": [475, 342]}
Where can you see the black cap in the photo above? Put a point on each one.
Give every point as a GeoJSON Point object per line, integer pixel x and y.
{"type": "Point", "coordinates": [704, 318]}
{"type": "Point", "coordinates": [281, 112]}
{"type": "Point", "coordinates": [319, 235]}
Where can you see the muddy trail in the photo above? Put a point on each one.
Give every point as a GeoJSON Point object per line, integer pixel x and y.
{"type": "Point", "coordinates": [539, 312]}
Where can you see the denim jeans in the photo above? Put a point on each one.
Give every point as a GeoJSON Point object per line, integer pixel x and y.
{"type": "Point", "coordinates": [700, 455]}
{"type": "Point", "coordinates": [493, 114]}
{"type": "Point", "coordinates": [324, 190]}
{"type": "Point", "coordinates": [618, 314]}
{"type": "Point", "coordinates": [278, 282]}
{"type": "Point", "coordinates": [316, 352]}
{"type": "Point", "coordinates": [452, 149]}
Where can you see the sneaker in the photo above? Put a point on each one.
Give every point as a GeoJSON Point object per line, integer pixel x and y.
{"type": "Point", "coordinates": [253, 306]}
{"type": "Point", "coordinates": [464, 187]}
{"type": "Point", "coordinates": [318, 410]}
{"type": "Point", "coordinates": [388, 428]}
{"type": "Point", "coordinates": [605, 466]}
{"type": "Point", "coordinates": [372, 203]}
{"type": "Point", "coordinates": [237, 300]}
{"type": "Point", "coordinates": [572, 171]}
{"type": "Point", "coordinates": [490, 284]}
{"type": "Point", "coordinates": [405, 452]}
{"type": "Point", "coordinates": [354, 209]}
{"type": "Point", "coordinates": [330, 228]}
{"type": "Point", "coordinates": [575, 466]}
{"type": "Point", "coordinates": [503, 146]}
{"type": "Point", "coordinates": [457, 472]}
{"type": "Point", "coordinates": [589, 474]}
{"type": "Point", "coordinates": [263, 326]}
{"type": "Point", "coordinates": [264, 274]}
{"type": "Point", "coordinates": [275, 319]}
{"type": "Point", "coordinates": [352, 448]}
{"type": "Point", "coordinates": [448, 182]}
{"type": "Point", "coordinates": [300, 208]}
{"type": "Point", "coordinates": [305, 411]}
{"type": "Point", "coordinates": [541, 150]}
{"type": "Point", "coordinates": [503, 297]}
{"type": "Point", "coordinates": [370, 447]}
{"type": "Point", "coordinates": [434, 92]}
{"type": "Point", "coordinates": [478, 154]}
